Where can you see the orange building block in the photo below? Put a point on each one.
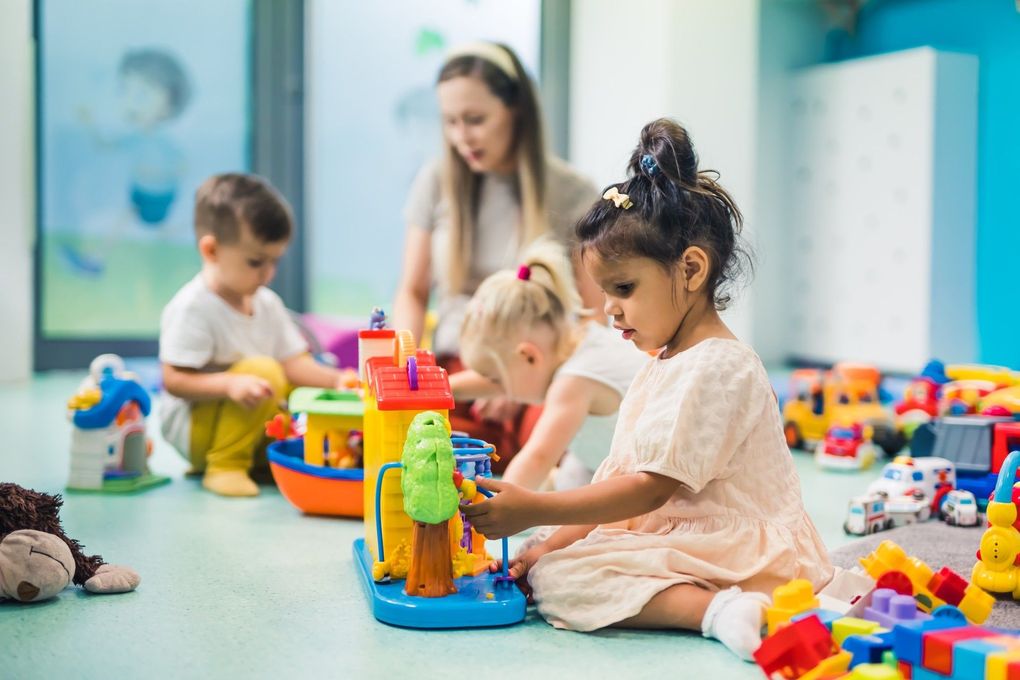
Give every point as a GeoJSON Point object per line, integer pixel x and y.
{"type": "Point", "coordinates": [937, 646]}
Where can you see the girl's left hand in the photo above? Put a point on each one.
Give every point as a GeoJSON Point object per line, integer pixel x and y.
{"type": "Point", "coordinates": [509, 512]}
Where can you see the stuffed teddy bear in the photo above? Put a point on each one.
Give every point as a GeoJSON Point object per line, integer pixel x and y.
{"type": "Point", "coordinates": [37, 560]}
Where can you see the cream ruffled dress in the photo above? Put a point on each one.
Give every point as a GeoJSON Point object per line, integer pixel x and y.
{"type": "Point", "coordinates": [708, 418]}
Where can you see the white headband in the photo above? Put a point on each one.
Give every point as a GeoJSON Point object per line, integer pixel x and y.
{"type": "Point", "coordinates": [489, 52]}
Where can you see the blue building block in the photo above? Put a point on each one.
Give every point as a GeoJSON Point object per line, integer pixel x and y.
{"type": "Point", "coordinates": [950, 612]}
{"type": "Point", "coordinates": [826, 616]}
{"type": "Point", "coordinates": [921, 673]}
{"type": "Point", "coordinates": [907, 637]}
{"type": "Point", "coordinates": [970, 657]}
{"type": "Point", "coordinates": [868, 648]}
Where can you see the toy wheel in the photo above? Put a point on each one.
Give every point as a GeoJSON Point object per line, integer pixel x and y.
{"type": "Point", "coordinates": [403, 348]}
{"type": "Point", "coordinates": [890, 439]}
{"type": "Point", "coordinates": [896, 580]}
{"type": "Point", "coordinates": [793, 438]}
{"type": "Point", "coordinates": [923, 440]}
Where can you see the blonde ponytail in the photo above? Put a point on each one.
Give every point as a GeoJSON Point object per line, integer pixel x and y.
{"type": "Point", "coordinates": [542, 291]}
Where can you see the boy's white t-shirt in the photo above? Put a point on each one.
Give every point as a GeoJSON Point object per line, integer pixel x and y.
{"type": "Point", "coordinates": [200, 330]}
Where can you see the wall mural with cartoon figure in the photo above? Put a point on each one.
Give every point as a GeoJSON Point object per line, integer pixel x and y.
{"type": "Point", "coordinates": [138, 102]}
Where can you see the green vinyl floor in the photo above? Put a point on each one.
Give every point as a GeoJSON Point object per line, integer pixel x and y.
{"type": "Point", "coordinates": [251, 588]}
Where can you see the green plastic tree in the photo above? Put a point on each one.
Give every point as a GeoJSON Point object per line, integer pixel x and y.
{"type": "Point", "coordinates": [430, 500]}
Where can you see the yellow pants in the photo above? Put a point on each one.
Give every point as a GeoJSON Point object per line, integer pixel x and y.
{"type": "Point", "coordinates": [226, 435]}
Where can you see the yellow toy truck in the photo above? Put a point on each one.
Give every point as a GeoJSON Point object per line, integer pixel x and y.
{"type": "Point", "coordinates": [847, 395]}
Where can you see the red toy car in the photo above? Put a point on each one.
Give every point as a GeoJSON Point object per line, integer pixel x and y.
{"type": "Point", "coordinates": [847, 448]}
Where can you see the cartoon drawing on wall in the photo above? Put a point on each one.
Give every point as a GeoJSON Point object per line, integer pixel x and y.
{"type": "Point", "coordinates": [138, 103]}
{"type": "Point", "coordinates": [154, 89]}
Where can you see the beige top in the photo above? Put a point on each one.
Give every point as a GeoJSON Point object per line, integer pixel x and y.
{"type": "Point", "coordinates": [604, 356]}
{"type": "Point", "coordinates": [568, 197]}
{"type": "Point", "coordinates": [708, 418]}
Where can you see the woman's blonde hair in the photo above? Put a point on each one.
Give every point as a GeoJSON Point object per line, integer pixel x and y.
{"type": "Point", "coordinates": [541, 291]}
{"type": "Point", "coordinates": [461, 186]}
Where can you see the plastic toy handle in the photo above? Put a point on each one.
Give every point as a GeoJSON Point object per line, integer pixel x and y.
{"type": "Point", "coordinates": [378, 514]}
{"type": "Point", "coordinates": [505, 541]}
{"type": "Point", "coordinates": [412, 374]}
{"type": "Point", "coordinates": [1007, 476]}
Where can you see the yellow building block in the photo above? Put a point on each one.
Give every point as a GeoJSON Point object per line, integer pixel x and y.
{"type": "Point", "coordinates": [976, 604]}
{"type": "Point", "coordinates": [997, 664]}
{"type": "Point", "coordinates": [789, 600]}
{"type": "Point", "coordinates": [875, 671]}
{"type": "Point", "coordinates": [833, 667]}
{"type": "Point", "coordinates": [890, 557]}
{"type": "Point", "coordinates": [848, 625]}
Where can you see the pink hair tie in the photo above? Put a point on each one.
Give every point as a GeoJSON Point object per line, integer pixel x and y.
{"type": "Point", "coordinates": [524, 272]}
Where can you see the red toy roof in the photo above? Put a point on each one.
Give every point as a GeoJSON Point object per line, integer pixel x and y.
{"type": "Point", "coordinates": [393, 392]}
{"type": "Point", "coordinates": [380, 334]}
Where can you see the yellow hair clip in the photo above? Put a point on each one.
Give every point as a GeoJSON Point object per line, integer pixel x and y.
{"type": "Point", "coordinates": [620, 200]}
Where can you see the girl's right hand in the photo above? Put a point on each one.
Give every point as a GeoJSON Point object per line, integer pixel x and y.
{"type": "Point", "coordinates": [248, 390]}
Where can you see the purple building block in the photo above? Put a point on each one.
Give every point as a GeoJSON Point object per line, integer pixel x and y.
{"type": "Point", "coordinates": [889, 608]}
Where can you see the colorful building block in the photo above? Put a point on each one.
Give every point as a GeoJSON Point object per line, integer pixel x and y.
{"type": "Point", "coordinates": [907, 637]}
{"type": "Point", "coordinates": [948, 611]}
{"type": "Point", "coordinates": [834, 667]}
{"type": "Point", "coordinates": [921, 673]}
{"type": "Point", "coordinates": [970, 657]}
{"type": "Point", "coordinates": [1003, 665]}
{"type": "Point", "coordinates": [795, 649]}
{"type": "Point", "coordinates": [948, 585]}
{"type": "Point", "coordinates": [937, 646]}
{"type": "Point", "coordinates": [871, 671]}
{"type": "Point", "coordinates": [889, 608]}
{"type": "Point", "coordinates": [788, 600]}
{"type": "Point", "coordinates": [847, 626]}
{"type": "Point", "coordinates": [868, 649]}
{"type": "Point", "coordinates": [976, 604]}
{"type": "Point", "coordinates": [826, 616]}
{"type": "Point", "coordinates": [896, 580]}
{"type": "Point", "coordinates": [891, 557]}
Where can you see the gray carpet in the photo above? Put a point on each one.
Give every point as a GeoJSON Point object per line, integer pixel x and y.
{"type": "Point", "coordinates": [938, 545]}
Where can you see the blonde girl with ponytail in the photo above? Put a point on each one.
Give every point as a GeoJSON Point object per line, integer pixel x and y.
{"type": "Point", "coordinates": [526, 337]}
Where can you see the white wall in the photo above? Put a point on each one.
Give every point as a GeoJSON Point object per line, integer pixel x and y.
{"type": "Point", "coordinates": [792, 37]}
{"type": "Point", "coordinates": [882, 209]}
{"type": "Point", "coordinates": [17, 189]}
{"type": "Point", "coordinates": [692, 60]}
{"type": "Point", "coordinates": [722, 68]}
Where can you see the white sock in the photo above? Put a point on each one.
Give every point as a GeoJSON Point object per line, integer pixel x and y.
{"type": "Point", "coordinates": [734, 619]}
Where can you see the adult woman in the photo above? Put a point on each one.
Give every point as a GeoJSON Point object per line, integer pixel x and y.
{"type": "Point", "coordinates": [472, 212]}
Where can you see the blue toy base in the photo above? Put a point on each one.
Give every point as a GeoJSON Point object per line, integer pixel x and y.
{"type": "Point", "coordinates": [469, 607]}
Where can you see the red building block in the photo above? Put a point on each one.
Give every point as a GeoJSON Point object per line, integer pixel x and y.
{"type": "Point", "coordinates": [896, 580]}
{"type": "Point", "coordinates": [937, 646]}
{"type": "Point", "coordinates": [947, 585]}
{"type": "Point", "coordinates": [905, 669]}
{"type": "Point", "coordinates": [795, 649]}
